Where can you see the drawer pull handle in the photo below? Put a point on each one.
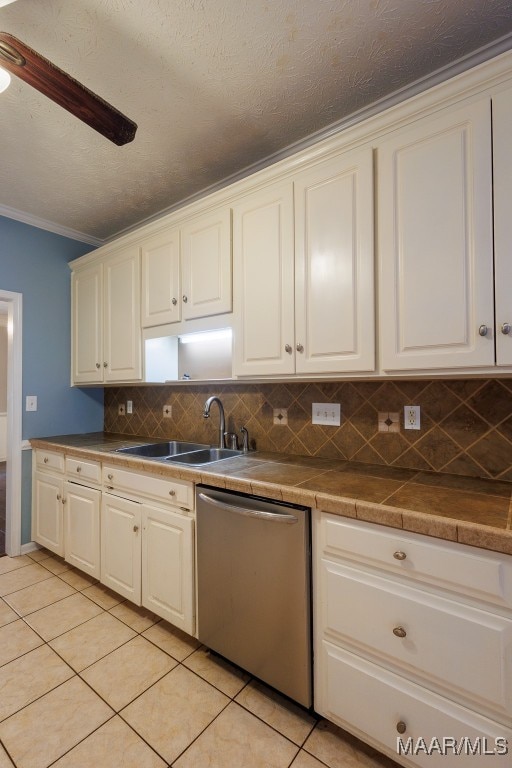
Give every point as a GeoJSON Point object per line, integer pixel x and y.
{"type": "Point", "coordinates": [135, 528]}
{"type": "Point", "coordinates": [45, 459]}
{"type": "Point", "coordinates": [79, 469]}
{"type": "Point", "coordinates": [109, 487]}
{"type": "Point", "coordinates": [399, 555]}
{"type": "Point", "coordinates": [399, 632]}
{"type": "Point", "coordinates": [110, 477]}
{"type": "Point", "coordinates": [172, 492]}
{"type": "Point", "coordinates": [401, 726]}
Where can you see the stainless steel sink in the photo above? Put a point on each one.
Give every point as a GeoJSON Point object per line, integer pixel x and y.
{"type": "Point", "coordinates": [161, 450]}
{"type": "Point", "coordinates": [205, 456]}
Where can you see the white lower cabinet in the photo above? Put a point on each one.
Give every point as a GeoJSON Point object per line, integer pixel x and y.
{"type": "Point", "coordinates": [147, 556]}
{"type": "Point", "coordinates": [82, 528]}
{"type": "Point", "coordinates": [47, 517]}
{"type": "Point", "coordinates": [120, 546]}
{"type": "Point", "coordinates": [167, 565]}
{"type": "Point", "coordinates": [147, 543]}
{"type": "Point", "coordinates": [408, 656]}
{"type": "Point", "coordinates": [133, 531]}
{"type": "Point", "coordinates": [66, 498]}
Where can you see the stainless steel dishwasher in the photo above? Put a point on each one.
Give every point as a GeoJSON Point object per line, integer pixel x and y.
{"type": "Point", "coordinates": [254, 586]}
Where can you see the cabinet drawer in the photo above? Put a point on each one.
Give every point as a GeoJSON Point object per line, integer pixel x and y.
{"type": "Point", "coordinates": [466, 570]}
{"type": "Point", "coordinates": [177, 492]}
{"type": "Point", "coordinates": [77, 469]}
{"type": "Point", "coordinates": [369, 701]}
{"type": "Point", "coordinates": [448, 646]}
{"type": "Point", "coordinates": [50, 460]}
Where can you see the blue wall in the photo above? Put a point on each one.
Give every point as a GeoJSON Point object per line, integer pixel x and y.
{"type": "Point", "coordinates": [34, 262]}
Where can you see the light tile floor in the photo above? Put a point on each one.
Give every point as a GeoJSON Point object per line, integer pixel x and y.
{"type": "Point", "coordinates": [88, 680]}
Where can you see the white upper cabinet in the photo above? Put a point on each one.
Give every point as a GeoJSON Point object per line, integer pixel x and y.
{"type": "Point", "coordinates": [303, 261]}
{"type": "Point", "coordinates": [263, 282]}
{"type": "Point", "coordinates": [161, 286]}
{"type": "Point", "coordinates": [106, 320]}
{"type": "Point", "coordinates": [186, 270]}
{"type": "Point", "coordinates": [87, 325]}
{"type": "Point", "coordinates": [334, 269]}
{"type": "Point", "coordinates": [502, 133]}
{"type": "Point", "coordinates": [206, 265]}
{"type": "Point", "coordinates": [122, 334]}
{"type": "Point", "coordinates": [435, 242]}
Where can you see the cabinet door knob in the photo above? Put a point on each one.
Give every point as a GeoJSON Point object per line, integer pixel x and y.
{"type": "Point", "coordinates": [399, 555]}
{"type": "Point", "coordinates": [300, 348]}
{"type": "Point", "coordinates": [506, 328]}
{"type": "Point", "coordinates": [401, 726]}
{"type": "Point", "coordinates": [59, 497]}
{"type": "Point", "coordinates": [185, 299]}
{"type": "Point", "coordinates": [399, 632]}
{"type": "Point", "coordinates": [64, 500]}
{"type": "Point", "coordinates": [98, 365]}
{"type": "Point", "coordinates": [79, 469]}
{"type": "Point", "coordinates": [45, 459]}
{"type": "Point", "coordinates": [287, 348]}
{"type": "Point", "coordinates": [110, 477]}
{"type": "Point", "coordinates": [483, 330]}
{"type": "Point", "coordinates": [135, 528]}
{"type": "Point", "coordinates": [172, 492]}
{"type": "Point", "coordinates": [105, 365]}
{"type": "Point", "coordinates": [174, 301]}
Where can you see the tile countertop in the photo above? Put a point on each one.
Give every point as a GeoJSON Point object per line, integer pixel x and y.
{"type": "Point", "coordinates": [469, 510]}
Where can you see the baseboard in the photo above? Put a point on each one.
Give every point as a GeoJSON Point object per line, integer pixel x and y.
{"type": "Point", "coordinates": [30, 547]}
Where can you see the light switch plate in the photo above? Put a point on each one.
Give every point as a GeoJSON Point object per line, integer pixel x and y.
{"type": "Point", "coordinates": [31, 403]}
{"type": "Point", "coordinates": [326, 413]}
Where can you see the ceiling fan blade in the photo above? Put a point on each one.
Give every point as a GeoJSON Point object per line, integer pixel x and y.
{"type": "Point", "coordinates": [41, 74]}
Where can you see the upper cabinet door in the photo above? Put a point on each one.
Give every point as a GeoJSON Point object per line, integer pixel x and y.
{"type": "Point", "coordinates": [206, 265]}
{"type": "Point", "coordinates": [161, 290]}
{"type": "Point", "coordinates": [334, 266]}
{"type": "Point", "coordinates": [87, 325]}
{"type": "Point", "coordinates": [122, 331]}
{"type": "Point", "coordinates": [264, 282]}
{"type": "Point", "coordinates": [502, 132]}
{"type": "Point", "coordinates": [435, 242]}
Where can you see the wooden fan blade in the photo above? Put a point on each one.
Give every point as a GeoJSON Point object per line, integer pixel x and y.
{"type": "Point", "coordinates": [34, 69]}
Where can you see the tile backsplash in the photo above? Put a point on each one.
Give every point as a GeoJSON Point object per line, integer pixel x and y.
{"type": "Point", "coordinates": [466, 425]}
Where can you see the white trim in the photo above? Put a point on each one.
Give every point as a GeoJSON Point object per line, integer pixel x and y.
{"type": "Point", "coordinates": [49, 226]}
{"type": "Point", "coordinates": [30, 547]}
{"type": "Point", "coordinates": [14, 399]}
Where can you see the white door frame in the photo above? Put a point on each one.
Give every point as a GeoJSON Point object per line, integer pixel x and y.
{"type": "Point", "coordinates": [14, 413]}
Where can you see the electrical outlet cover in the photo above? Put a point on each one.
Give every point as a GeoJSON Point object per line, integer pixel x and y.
{"type": "Point", "coordinates": [412, 417]}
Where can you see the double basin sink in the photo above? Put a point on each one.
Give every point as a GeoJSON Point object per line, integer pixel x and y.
{"type": "Point", "coordinates": [175, 451]}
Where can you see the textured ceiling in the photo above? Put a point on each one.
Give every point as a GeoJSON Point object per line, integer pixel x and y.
{"type": "Point", "coordinates": [214, 86]}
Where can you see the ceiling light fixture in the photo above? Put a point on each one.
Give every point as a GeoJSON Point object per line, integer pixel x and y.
{"type": "Point", "coordinates": [5, 79]}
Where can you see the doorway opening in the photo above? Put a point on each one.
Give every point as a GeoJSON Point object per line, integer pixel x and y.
{"type": "Point", "coordinates": [10, 468]}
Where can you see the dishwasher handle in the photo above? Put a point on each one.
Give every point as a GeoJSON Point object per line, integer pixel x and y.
{"type": "Point", "coordinates": [275, 517]}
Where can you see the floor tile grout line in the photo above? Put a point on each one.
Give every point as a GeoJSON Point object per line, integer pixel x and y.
{"type": "Point", "coordinates": [231, 699]}
{"type": "Point", "coordinates": [41, 608]}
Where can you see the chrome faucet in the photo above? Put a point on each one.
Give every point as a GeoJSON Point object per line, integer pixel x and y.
{"type": "Point", "coordinates": [206, 415]}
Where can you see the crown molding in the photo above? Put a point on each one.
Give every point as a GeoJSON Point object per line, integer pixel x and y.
{"type": "Point", "coordinates": [49, 226]}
